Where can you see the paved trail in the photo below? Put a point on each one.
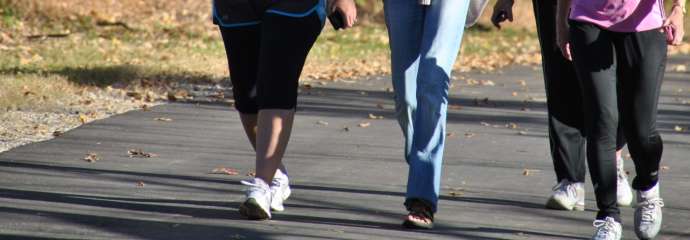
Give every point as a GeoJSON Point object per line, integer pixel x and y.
{"type": "Point", "coordinates": [348, 184]}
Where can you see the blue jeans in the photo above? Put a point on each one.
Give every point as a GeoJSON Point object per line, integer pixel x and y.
{"type": "Point", "coordinates": [424, 42]}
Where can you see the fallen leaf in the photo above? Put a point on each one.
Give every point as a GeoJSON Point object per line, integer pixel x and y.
{"type": "Point", "coordinates": [141, 184]}
{"type": "Point", "coordinates": [522, 133]}
{"type": "Point", "coordinates": [450, 134]}
{"type": "Point", "coordinates": [364, 124]}
{"type": "Point", "coordinates": [58, 133]}
{"type": "Point", "coordinates": [514, 94]}
{"type": "Point", "coordinates": [527, 172]}
{"type": "Point", "coordinates": [485, 124]}
{"type": "Point", "coordinates": [372, 116]}
{"type": "Point", "coordinates": [679, 129]}
{"type": "Point", "coordinates": [665, 168]}
{"type": "Point", "coordinates": [224, 170]}
{"type": "Point", "coordinates": [163, 119]}
{"type": "Point", "coordinates": [680, 68]}
{"type": "Point", "coordinates": [83, 119]}
{"type": "Point", "coordinates": [135, 95]}
{"type": "Point", "coordinates": [323, 123]}
{"type": "Point", "coordinates": [145, 108]}
{"type": "Point", "coordinates": [251, 173]}
{"type": "Point", "coordinates": [512, 125]}
{"type": "Point", "coordinates": [470, 135]}
{"type": "Point", "coordinates": [91, 157]}
{"type": "Point", "coordinates": [380, 106]}
{"type": "Point", "coordinates": [456, 194]}
{"type": "Point", "coordinates": [138, 153]}
{"type": "Point", "coordinates": [488, 83]}
{"type": "Point", "coordinates": [522, 83]}
{"type": "Point", "coordinates": [346, 129]}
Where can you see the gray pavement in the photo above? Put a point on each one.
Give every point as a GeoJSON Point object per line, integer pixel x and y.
{"type": "Point", "coordinates": [347, 184]}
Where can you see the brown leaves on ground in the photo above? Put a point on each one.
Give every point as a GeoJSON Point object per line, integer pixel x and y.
{"type": "Point", "coordinates": [91, 157]}
{"type": "Point", "coordinates": [224, 170]}
{"type": "Point", "coordinates": [141, 184]}
{"type": "Point", "coordinates": [138, 153]}
{"type": "Point", "coordinates": [375, 117]}
{"type": "Point", "coordinates": [527, 172]}
{"type": "Point", "coordinates": [163, 119]}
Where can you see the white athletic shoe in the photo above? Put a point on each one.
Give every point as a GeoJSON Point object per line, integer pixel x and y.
{"type": "Point", "coordinates": [257, 205]}
{"type": "Point", "coordinates": [280, 189]}
{"type": "Point", "coordinates": [648, 214]}
{"type": "Point", "coordinates": [624, 194]}
{"type": "Point", "coordinates": [607, 229]}
{"type": "Point", "coordinates": [567, 196]}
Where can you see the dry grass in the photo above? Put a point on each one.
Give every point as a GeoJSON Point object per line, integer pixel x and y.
{"type": "Point", "coordinates": [33, 91]}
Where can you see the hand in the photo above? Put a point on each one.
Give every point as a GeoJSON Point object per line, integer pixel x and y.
{"type": "Point", "coordinates": [563, 40]}
{"type": "Point", "coordinates": [675, 21]}
{"type": "Point", "coordinates": [503, 10]}
{"type": "Point", "coordinates": [347, 8]}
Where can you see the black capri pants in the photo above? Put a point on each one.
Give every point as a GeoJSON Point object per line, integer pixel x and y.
{"type": "Point", "coordinates": [267, 43]}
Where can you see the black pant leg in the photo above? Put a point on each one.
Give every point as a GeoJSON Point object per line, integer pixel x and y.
{"type": "Point", "coordinates": [564, 99]}
{"type": "Point", "coordinates": [595, 63]}
{"type": "Point", "coordinates": [642, 58]}
{"type": "Point", "coordinates": [242, 50]}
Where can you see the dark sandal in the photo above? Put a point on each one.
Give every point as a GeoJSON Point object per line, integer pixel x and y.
{"type": "Point", "coordinates": [421, 213]}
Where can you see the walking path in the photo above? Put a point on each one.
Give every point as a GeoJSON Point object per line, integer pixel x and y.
{"type": "Point", "coordinates": [347, 171]}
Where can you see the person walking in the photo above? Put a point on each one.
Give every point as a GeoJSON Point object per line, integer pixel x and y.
{"type": "Point", "coordinates": [565, 114]}
{"type": "Point", "coordinates": [425, 39]}
{"type": "Point", "coordinates": [267, 42]}
{"type": "Point", "coordinates": [619, 52]}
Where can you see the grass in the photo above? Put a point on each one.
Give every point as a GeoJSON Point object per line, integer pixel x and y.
{"type": "Point", "coordinates": [161, 43]}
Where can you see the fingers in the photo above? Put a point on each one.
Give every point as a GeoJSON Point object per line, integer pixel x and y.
{"type": "Point", "coordinates": [498, 17]}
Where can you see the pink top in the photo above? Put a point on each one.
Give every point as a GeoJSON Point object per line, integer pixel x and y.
{"type": "Point", "coordinates": [620, 15]}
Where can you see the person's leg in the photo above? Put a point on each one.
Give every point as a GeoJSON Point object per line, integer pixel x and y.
{"type": "Point", "coordinates": [595, 63]}
{"type": "Point", "coordinates": [404, 21]}
{"type": "Point", "coordinates": [564, 99]}
{"type": "Point", "coordinates": [285, 43]}
{"type": "Point", "coordinates": [642, 56]}
{"type": "Point", "coordinates": [441, 37]}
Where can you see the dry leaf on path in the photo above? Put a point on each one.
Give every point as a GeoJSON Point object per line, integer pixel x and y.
{"type": "Point", "coordinates": [323, 123]}
{"type": "Point", "coordinates": [141, 184]}
{"type": "Point", "coordinates": [470, 135]}
{"type": "Point", "coordinates": [224, 170]}
{"type": "Point", "coordinates": [58, 133]}
{"type": "Point", "coordinates": [163, 119]}
{"type": "Point", "coordinates": [138, 153]}
{"type": "Point", "coordinates": [454, 107]}
{"type": "Point", "coordinates": [372, 116]}
{"type": "Point", "coordinates": [450, 134]}
{"type": "Point", "coordinates": [91, 157]}
{"type": "Point", "coordinates": [364, 124]}
{"type": "Point", "coordinates": [485, 124]}
{"type": "Point", "coordinates": [528, 172]}
{"type": "Point", "coordinates": [251, 173]}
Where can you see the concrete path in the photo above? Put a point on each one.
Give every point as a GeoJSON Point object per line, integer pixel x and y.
{"type": "Point", "coordinates": [348, 181]}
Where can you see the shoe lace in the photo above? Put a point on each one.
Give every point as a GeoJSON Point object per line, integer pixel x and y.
{"type": "Point", "coordinates": [254, 186]}
{"type": "Point", "coordinates": [649, 207]}
{"type": "Point", "coordinates": [566, 187]}
{"type": "Point", "coordinates": [605, 228]}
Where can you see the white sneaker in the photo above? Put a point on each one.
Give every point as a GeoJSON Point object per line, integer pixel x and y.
{"type": "Point", "coordinates": [567, 196]}
{"type": "Point", "coordinates": [624, 194]}
{"type": "Point", "coordinates": [648, 214]}
{"type": "Point", "coordinates": [257, 205]}
{"type": "Point", "coordinates": [280, 189]}
{"type": "Point", "coordinates": [607, 229]}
